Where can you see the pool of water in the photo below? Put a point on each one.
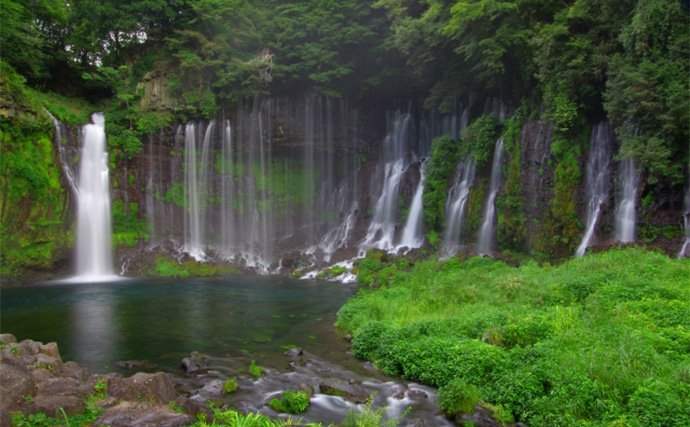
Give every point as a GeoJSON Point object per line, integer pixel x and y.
{"type": "Point", "coordinates": [162, 321]}
{"type": "Point", "coordinates": [232, 321]}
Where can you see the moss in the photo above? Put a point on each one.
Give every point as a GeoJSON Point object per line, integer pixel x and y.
{"type": "Point", "coordinates": [512, 232]}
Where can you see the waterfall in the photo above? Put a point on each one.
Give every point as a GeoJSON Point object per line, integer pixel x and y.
{"type": "Point", "coordinates": [685, 249]}
{"type": "Point", "coordinates": [66, 159]}
{"type": "Point", "coordinates": [381, 231]}
{"type": "Point", "coordinates": [94, 248]}
{"type": "Point", "coordinates": [413, 234]}
{"type": "Point", "coordinates": [598, 176]}
{"type": "Point", "coordinates": [456, 205]}
{"type": "Point", "coordinates": [227, 214]}
{"type": "Point", "coordinates": [193, 244]}
{"type": "Point", "coordinates": [488, 229]}
{"type": "Point", "coordinates": [625, 213]}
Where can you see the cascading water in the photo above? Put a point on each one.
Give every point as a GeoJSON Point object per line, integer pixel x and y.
{"type": "Point", "coordinates": [381, 232]}
{"type": "Point", "coordinates": [413, 234]}
{"type": "Point", "coordinates": [598, 177]}
{"type": "Point", "coordinates": [193, 243]}
{"type": "Point", "coordinates": [685, 249]}
{"type": "Point", "coordinates": [94, 248]}
{"type": "Point", "coordinates": [625, 213]}
{"type": "Point", "coordinates": [65, 159]}
{"type": "Point", "coordinates": [456, 205]}
{"type": "Point", "coordinates": [487, 231]}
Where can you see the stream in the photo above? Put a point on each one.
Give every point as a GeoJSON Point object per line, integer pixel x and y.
{"type": "Point", "coordinates": [155, 323]}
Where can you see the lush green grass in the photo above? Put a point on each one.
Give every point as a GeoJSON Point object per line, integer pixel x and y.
{"type": "Point", "coordinates": [601, 340]}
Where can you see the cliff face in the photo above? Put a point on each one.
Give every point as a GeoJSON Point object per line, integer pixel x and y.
{"type": "Point", "coordinates": [282, 184]}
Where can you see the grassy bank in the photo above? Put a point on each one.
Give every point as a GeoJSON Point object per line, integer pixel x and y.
{"type": "Point", "coordinates": [601, 340]}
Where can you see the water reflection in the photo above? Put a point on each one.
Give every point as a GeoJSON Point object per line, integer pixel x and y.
{"type": "Point", "coordinates": [164, 320]}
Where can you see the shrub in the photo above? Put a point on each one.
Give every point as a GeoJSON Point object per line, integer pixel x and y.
{"type": "Point", "coordinates": [291, 401]}
{"type": "Point", "coordinates": [255, 370]}
{"type": "Point", "coordinates": [458, 396]}
{"type": "Point", "coordinates": [230, 385]}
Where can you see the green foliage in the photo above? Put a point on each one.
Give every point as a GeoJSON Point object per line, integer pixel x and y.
{"type": "Point", "coordinates": [32, 202]}
{"type": "Point", "coordinates": [291, 401]}
{"type": "Point", "coordinates": [90, 415]}
{"type": "Point", "coordinates": [231, 417]}
{"type": "Point", "coordinates": [479, 139]}
{"type": "Point", "coordinates": [230, 385]}
{"type": "Point", "coordinates": [546, 345]}
{"type": "Point", "coordinates": [647, 88]}
{"type": "Point", "coordinates": [128, 228]}
{"type": "Point", "coordinates": [370, 417]}
{"type": "Point", "coordinates": [256, 371]}
{"type": "Point", "coordinates": [458, 396]}
{"type": "Point", "coordinates": [169, 268]}
{"type": "Point", "coordinates": [442, 164]}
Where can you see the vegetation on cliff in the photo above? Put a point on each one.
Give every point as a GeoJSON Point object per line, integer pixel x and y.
{"type": "Point", "coordinates": [602, 339]}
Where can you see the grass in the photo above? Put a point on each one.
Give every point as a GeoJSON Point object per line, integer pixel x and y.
{"type": "Point", "coordinates": [604, 339]}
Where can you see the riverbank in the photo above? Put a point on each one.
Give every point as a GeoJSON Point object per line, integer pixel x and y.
{"type": "Point", "coordinates": [603, 339]}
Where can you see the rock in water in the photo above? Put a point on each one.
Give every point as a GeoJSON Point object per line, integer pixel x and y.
{"type": "Point", "coordinates": [352, 392]}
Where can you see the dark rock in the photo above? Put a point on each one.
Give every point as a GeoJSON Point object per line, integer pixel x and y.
{"type": "Point", "coordinates": [193, 409]}
{"type": "Point", "coordinates": [294, 352]}
{"type": "Point", "coordinates": [8, 339]}
{"type": "Point", "coordinates": [106, 403]}
{"type": "Point", "coordinates": [51, 404]}
{"type": "Point", "coordinates": [347, 338]}
{"type": "Point", "coordinates": [482, 417]}
{"type": "Point", "coordinates": [16, 382]}
{"type": "Point", "coordinates": [352, 392]}
{"type": "Point", "coordinates": [140, 414]}
{"type": "Point", "coordinates": [135, 364]}
{"type": "Point", "coordinates": [75, 370]}
{"type": "Point", "coordinates": [141, 386]}
{"type": "Point", "coordinates": [417, 394]}
{"type": "Point", "coordinates": [213, 388]}
{"type": "Point", "coordinates": [194, 363]}
{"type": "Point", "coordinates": [306, 388]}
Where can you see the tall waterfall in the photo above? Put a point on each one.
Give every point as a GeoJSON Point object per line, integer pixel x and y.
{"type": "Point", "coordinates": [487, 231]}
{"type": "Point", "coordinates": [598, 177]}
{"type": "Point", "coordinates": [94, 248]}
{"type": "Point", "coordinates": [381, 232]}
{"type": "Point", "coordinates": [625, 213]}
{"type": "Point", "coordinates": [456, 205]}
{"type": "Point", "coordinates": [685, 249]}
{"type": "Point", "coordinates": [413, 234]}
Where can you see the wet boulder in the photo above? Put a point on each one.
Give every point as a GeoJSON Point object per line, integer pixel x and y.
{"type": "Point", "coordinates": [294, 352]}
{"type": "Point", "coordinates": [194, 363]}
{"type": "Point", "coordinates": [336, 387]}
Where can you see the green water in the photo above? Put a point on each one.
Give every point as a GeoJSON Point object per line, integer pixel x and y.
{"type": "Point", "coordinates": [162, 321]}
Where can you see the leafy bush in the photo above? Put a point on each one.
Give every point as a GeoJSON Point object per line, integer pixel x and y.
{"type": "Point", "coordinates": [458, 396]}
{"type": "Point", "coordinates": [230, 385]}
{"type": "Point", "coordinates": [255, 370]}
{"type": "Point", "coordinates": [291, 401]}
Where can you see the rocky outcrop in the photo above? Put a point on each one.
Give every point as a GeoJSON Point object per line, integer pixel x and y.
{"type": "Point", "coordinates": [33, 379]}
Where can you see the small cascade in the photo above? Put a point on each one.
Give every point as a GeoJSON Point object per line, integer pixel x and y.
{"type": "Point", "coordinates": [93, 246]}
{"type": "Point", "coordinates": [625, 213]}
{"type": "Point", "coordinates": [413, 234]}
{"type": "Point", "coordinates": [598, 177]}
{"type": "Point", "coordinates": [487, 232]}
{"type": "Point", "coordinates": [65, 157]}
{"type": "Point", "coordinates": [685, 249]}
{"type": "Point", "coordinates": [456, 205]}
{"type": "Point", "coordinates": [227, 213]}
{"type": "Point", "coordinates": [381, 232]}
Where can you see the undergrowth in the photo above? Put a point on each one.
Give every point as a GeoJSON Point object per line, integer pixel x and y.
{"type": "Point", "coordinates": [604, 339]}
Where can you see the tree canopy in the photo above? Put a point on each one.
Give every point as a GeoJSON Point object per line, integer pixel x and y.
{"type": "Point", "coordinates": [622, 60]}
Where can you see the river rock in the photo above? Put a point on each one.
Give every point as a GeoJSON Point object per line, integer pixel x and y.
{"type": "Point", "coordinates": [8, 339]}
{"type": "Point", "coordinates": [194, 363]}
{"type": "Point", "coordinates": [155, 388]}
{"type": "Point", "coordinates": [135, 364]}
{"type": "Point", "coordinates": [294, 352]}
{"type": "Point", "coordinates": [16, 382]}
{"type": "Point", "coordinates": [140, 414]}
{"type": "Point", "coordinates": [51, 405]}
{"type": "Point", "coordinates": [75, 370]}
{"type": "Point", "coordinates": [213, 388]}
{"type": "Point", "coordinates": [336, 387]}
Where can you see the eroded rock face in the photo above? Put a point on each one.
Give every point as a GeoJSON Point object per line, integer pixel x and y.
{"type": "Point", "coordinates": [194, 363]}
{"type": "Point", "coordinates": [33, 379]}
